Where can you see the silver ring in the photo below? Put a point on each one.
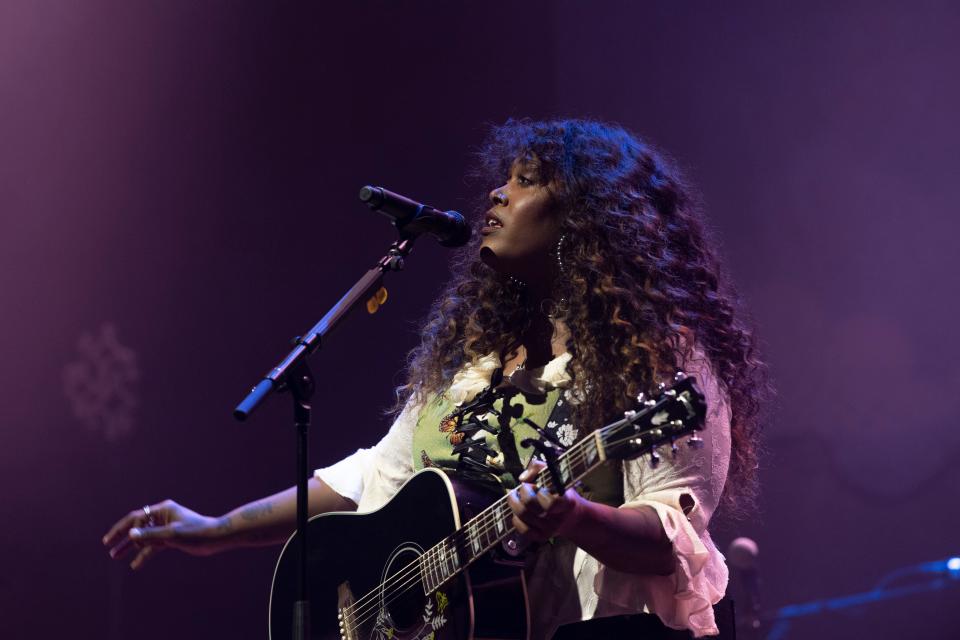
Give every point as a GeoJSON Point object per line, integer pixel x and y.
{"type": "Point", "coordinates": [148, 515]}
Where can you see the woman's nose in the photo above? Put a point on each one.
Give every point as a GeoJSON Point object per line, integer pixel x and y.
{"type": "Point", "coordinates": [498, 197]}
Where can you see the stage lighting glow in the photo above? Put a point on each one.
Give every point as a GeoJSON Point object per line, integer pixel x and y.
{"type": "Point", "coordinates": [953, 564]}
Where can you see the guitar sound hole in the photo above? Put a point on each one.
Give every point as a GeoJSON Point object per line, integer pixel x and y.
{"type": "Point", "coordinates": [402, 595]}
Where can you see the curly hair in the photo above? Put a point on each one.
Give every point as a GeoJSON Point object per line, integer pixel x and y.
{"type": "Point", "coordinates": [640, 275]}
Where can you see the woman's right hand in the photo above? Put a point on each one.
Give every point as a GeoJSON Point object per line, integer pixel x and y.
{"type": "Point", "coordinates": [168, 525]}
{"type": "Point", "coordinates": [165, 525]}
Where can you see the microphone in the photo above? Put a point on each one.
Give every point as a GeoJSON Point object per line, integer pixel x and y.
{"type": "Point", "coordinates": [412, 218]}
{"type": "Point", "coordinates": [742, 555]}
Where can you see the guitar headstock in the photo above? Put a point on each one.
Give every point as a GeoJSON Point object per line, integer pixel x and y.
{"type": "Point", "coordinates": [677, 411]}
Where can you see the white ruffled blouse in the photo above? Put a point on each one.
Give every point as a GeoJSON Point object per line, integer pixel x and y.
{"type": "Point", "coordinates": [563, 577]}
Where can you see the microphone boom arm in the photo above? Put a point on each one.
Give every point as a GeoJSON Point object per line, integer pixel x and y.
{"type": "Point", "coordinates": [277, 378]}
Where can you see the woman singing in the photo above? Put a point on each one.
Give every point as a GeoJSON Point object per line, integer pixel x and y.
{"type": "Point", "coordinates": [592, 279]}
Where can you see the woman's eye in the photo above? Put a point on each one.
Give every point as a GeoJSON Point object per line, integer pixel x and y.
{"type": "Point", "coordinates": [524, 180]}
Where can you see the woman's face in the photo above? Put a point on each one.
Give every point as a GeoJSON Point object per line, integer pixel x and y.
{"type": "Point", "coordinates": [522, 225]}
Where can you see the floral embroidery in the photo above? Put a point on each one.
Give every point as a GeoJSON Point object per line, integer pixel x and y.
{"type": "Point", "coordinates": [567, 434]}
{"type": "Point", "coordinates": [425, 459]}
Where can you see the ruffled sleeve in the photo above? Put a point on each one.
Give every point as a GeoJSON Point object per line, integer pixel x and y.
{"type": "Point", "coordinates": [684, 492]}
{"type": "Point", "coordinates": [370, 477]}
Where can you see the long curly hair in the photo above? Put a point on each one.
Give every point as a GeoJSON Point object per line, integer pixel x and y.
{"type": "Point", "coordinates": [639, 272]}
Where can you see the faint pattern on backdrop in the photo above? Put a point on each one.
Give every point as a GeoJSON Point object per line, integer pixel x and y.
{"type": "Point", "coordinates": [102, 384]}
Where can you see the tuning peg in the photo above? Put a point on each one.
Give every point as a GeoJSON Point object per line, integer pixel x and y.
{"type": "Point", "coordinates": [654, 458]}
{"type": "Point", "coordinates": [641, 397]}
{"type": "Point", "coordinates": [695, 442]}
{"type": "Point", "coordinates": [679, 376]}
{"type": "Point", "coordinates": [650, 403]}
{"type": "Point", "coordinates": [661, 386]}
{"type": "Point", "coordinates": [630, 415]}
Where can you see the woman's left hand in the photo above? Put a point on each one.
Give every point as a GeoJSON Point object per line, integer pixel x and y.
{"type": "Point", "coordinates": [540, 515]}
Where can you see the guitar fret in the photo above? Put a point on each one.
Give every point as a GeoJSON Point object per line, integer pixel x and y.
{"type": "Point", "coordinates": [590, 451]}
{"type": "Point", "coordinates": [426, 569]}
{"type": "Point", "coordinates": [579, 463]}
{"type": "Point", "coordinates": [499, 518]}
{"type": "Point", "coordinates": [453, 558]}
{"type": "Point", "coordinates": [474, 537]}
{"type": "Point", "coordinates": [565, 470]}
{"type": "Point", "coordinates": [598, 442]}
{"type": "Point", "coordinates": [441, 564]}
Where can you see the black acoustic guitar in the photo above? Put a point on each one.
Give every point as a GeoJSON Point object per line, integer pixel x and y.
{"type": "Point", "coordinates": [441, 560]}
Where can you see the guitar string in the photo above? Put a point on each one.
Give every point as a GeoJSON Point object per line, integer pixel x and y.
{"type": "Point", "coordinates": [486, 519]}
{"type": "Point", "coordinates": [488, 516]}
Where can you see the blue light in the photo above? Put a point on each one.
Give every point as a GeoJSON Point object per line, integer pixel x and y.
{"type": "Point", "coordinates": [953, 564]}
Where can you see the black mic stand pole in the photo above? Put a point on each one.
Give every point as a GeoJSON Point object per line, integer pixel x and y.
{"type": "Point", "coordinates": [293, 374]}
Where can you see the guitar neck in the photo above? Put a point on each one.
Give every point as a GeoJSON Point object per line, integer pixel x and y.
{"type": "Point", "coordinates": [481, 533]}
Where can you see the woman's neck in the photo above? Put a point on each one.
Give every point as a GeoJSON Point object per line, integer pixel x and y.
{"type": "Point", "coordinates": [544, 337]}
{"type": "Point", "coordinates": [543, 340]}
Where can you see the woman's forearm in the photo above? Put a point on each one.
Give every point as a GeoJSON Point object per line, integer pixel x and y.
{"type": "Point", "coordinates": [273, 519]}
{"type": "Point", "coordinates": [630, 540]}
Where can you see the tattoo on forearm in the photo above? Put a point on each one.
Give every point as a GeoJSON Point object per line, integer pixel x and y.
{"type": "Point", "coordinates": [256, 511]}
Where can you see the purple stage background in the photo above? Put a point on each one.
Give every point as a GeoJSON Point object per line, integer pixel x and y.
{"type": "Point", "coordinates": [178, 198]}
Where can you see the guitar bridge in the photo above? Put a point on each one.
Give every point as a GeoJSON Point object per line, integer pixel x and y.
{"type": "Point", "coordinates": [345, 612]}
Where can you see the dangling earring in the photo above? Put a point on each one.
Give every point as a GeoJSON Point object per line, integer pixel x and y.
{"type": "Point", "coordinates": [558, 253]}
{"type": "Point", "coordinates": [517, 282]}
{"type": "Point", "coordinates": [549, 307]}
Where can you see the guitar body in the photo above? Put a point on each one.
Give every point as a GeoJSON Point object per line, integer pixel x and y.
{"type": "Point", "coordinates": [367, 562]}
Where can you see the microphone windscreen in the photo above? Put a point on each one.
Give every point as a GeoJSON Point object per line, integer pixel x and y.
{"type": "Point", "coordinates": [742, 554]}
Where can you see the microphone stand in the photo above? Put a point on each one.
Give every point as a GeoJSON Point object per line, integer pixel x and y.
{"type": "Point", "coordinates": [293, 374]}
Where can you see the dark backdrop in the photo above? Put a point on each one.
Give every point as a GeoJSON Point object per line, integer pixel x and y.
{"type": "Point", "coordinates": [178, 198]}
